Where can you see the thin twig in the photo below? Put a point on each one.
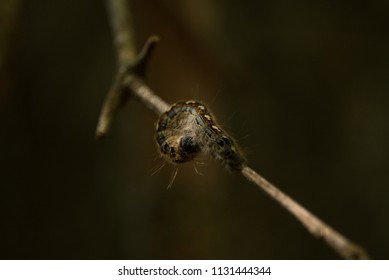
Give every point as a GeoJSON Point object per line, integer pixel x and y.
{"type": "Point", "coordinates": [121, 23]}
{"type": "Point", "coordinates": [129, 80]}
{"type": "Point", "coordinates": [315, 226]}
{"type": "Point", "coordinates": [146, 96]}
{"type": "Point", "coordinates": [131, 69]}
{"type": "Point", "coordinates": [111, 104]}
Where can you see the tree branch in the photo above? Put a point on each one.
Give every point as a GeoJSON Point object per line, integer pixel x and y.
{"type": "Point", "coordinates": [315, 226]}
{"type": "Point", "coordinates": [129, 82]}
{"type": "Point", "coordinates": [121, 24]}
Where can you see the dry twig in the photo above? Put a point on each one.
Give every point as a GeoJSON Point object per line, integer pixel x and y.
{"type": "Point", "coordinates": [129, 82]}
{"type": "Point", "coordinates": [315, 226]}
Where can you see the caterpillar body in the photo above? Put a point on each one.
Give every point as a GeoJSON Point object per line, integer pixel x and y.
{"type": "Point", "coordinates": [188, 128]}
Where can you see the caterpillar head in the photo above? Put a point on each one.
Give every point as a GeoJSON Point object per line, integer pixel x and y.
{"type": "Point", "coordinates": [180, 149]}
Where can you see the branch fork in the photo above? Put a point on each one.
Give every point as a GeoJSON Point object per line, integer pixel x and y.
{"type": "Point", "coordinates": [128, 73]}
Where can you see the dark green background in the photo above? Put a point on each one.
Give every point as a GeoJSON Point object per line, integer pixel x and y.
{"type": "Point", "coordinates": [303, 86]}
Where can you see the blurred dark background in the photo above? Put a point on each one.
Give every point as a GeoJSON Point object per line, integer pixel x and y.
{"type": "Point", "coordinates": [303, 86]}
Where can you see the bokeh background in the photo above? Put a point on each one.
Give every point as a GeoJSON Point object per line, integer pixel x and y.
{"type": "Point", "coordinates": [303, 85]}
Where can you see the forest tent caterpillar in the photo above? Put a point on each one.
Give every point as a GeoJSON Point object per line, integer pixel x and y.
{"type": "Point", "coordinates": [188, 128]}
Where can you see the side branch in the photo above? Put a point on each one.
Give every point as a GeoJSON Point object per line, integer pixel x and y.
{"type": "Point", "coordinates": [116, 96]}
{"type": "Point", "coordinates": [128, 80]}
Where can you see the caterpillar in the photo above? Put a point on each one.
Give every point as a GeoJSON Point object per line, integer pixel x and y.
{"type": "Point", "coordinates": [188, 128]}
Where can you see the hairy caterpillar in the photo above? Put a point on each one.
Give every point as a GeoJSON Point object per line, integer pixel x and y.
{"type": "Point", "coordinates": [188, 128]}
